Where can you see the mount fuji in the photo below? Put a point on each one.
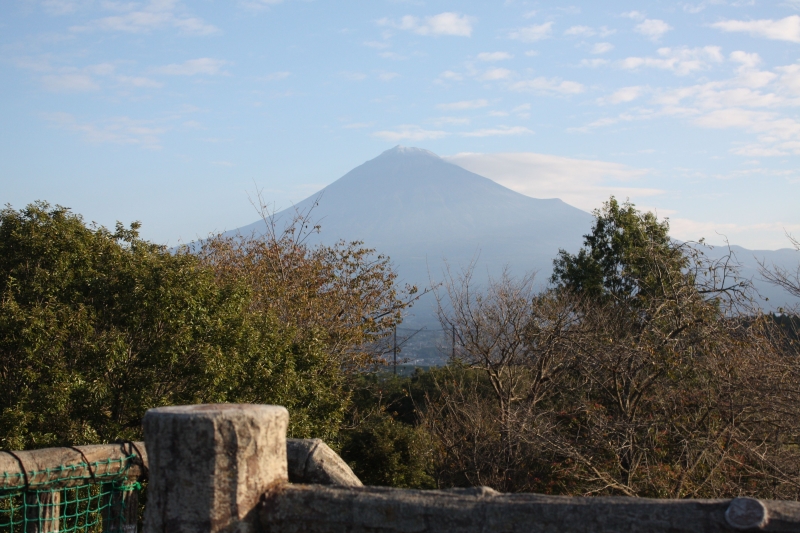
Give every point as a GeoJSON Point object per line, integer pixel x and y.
{"type": "Point", "coordinates": [426, 213]}
{"type": "Point", "coordinates": [420, 210]}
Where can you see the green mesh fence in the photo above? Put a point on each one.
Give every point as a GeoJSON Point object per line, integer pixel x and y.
{"type": "Point", "coordinates": [104, 502]}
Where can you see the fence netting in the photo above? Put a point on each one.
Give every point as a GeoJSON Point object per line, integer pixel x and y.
{"type": "Point", "coordinates": [105, 502]}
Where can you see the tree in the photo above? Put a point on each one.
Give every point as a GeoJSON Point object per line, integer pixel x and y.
{"type": "Point", "coordinates": [98, 326]}
{"type": "Point", "coordinates": [642, 372]}
{"type": "Point", "coordinates": [786, 279]}
{"type": "Point", "coordinates": [344, 292]}
{"type": "Point", "coordinates": [623, 257]}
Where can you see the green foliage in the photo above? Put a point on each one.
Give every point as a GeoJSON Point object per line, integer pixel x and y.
{"type": "Point", "coordinates": [385, 444]}
{"type": "Point", "coordinates": [620, 255]}
{"type": "Point", "coordinates": [383, 451]}
{"type": "Point", "coordinates": [98, 326]}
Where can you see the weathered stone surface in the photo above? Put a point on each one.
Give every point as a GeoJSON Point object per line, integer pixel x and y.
{"type": "Point", "coordinates": [747, 513]}
{"type": "Point", "coordinates": [312, 461]}
{"type": "Point", "coordinates": [209, 465]}
{"type": "Point", "coordinates": [317, 509]}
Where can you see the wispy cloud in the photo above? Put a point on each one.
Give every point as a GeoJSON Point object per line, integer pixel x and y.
{"type": "Point", "coordinates": [626, 94]}
{"type": "Point", "coordinates": [635, 15]}
{"type": "Point", "coordinates": [579, 31]}
{"type": "Point", "coordinates": [681, 60]}
{"type": "Point", "coordinates": [653, 29]}
{"type": "Point", "coordinates": [533, 33]}
{"type": "Point", "coordinates": [276, 76]}
{"type": "Point", "coordinates": [493, 56]}
{"type": "Point", "coordinates": [358, 125]}
{"type": "Point", "coordinates": [204, 65]}
{"type": "Point", "coordinates": [89, 78]}
{"type": "Point", "coordinates": [579, 182]}
{"type": "Point", "coordinates": [464, 104]}
{"type": "Point", "coordinates": [157, 14]}
{"type": "Point", "coordinates": [548, 86]}
{"type": "Point", "coordinates": [498, 131]}
{"type": "Point", "coordinates": [257, 5]}
{"type": "Point", "coordinates": [410, 133]}
{"type": "Point", "coordinates": [593, 63]}
{"type": "Point", "coordinates": [117, 130]}
{"type": "Point", "coordinates": [602, 48]}
{"type": "Point", "coordinates": [495, 74]}
{"type": "Point", "coordinates": [785, 29]}
{"type": "Point", "coordinates": [447, 23]}
{"type": "Point", "coordinates": [587, 31]}
{"type": "Point", "coordinates": [139, 82]}
{"type": "Point", "coordinates": [69, 82]}
{"type": "Point", "coordinates": [450, 75]}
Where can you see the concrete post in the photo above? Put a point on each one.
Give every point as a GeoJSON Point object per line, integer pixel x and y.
{"type": "Point", "coordinates": [210, 464]}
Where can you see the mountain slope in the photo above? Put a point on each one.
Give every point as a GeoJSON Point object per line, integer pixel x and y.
{"type": "Point", "coordinates": [420, 210]}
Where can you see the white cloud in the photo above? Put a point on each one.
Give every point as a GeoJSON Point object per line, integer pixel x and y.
{"type": "Point", "coordinates": [580, 31]}
{"type": "Point", "coordinates": [156, 14]}
{"type": "Point", "coordinates": [500, 130]}
{"type": "Point", "coordinates": [464, 104]}
{"type": "Point", "coordinates": [60, 7]}
{"type": "Point", "coordinates": [681, 60]}
{"type": "Point", "coordinates": [275, 76]}
{"type": "Point", "coordinates": [85, 79]}
{"type": "Point", "coordinates": [257, 5]}
{"type": "Point", "coordinates": [353, 76]}
{"type": "Point", "coordinates": [69, 82]}
{"type": "Point", "coordinates": [494, 56]}
{"type": "Point", "coordinates": [450, 75]}
{"type": "Point", "coordinates": [548, 86]}
{"type": "Point", "coordinates": [586, 31]}
{"type": "Point", "coordinates": [496, 74]}
{"type": "Point", "coordinates": [602, 48]}
{"type": "Point", "coordinates": [410, 133]}
{"type": "Point", "coordinates": [139, 82]}
{"type": "Point", "coordinates": [533, 33]}
{"type": "Point", "coordinates": [579, 182]}
{"type": "Point", "coordinates": [761, 236]}
{"type": "Point", "coordinates": [790, 78]}
{"type": "Point", "coordinates": [626, 94]}
{"type": "Point", "coordinates": [119, 130]}
{"type": "Point", "coordinates": [358, 125]}
{"type": "Point", "coordinates": [785, 29]}
{"type": "Point", "coordinates": [776, 126]}
{"type": "Point", "coordinates": [193, 67]}
{"type": "Point", "coordinates": [387, 76]}
{"type": "Point", "coordinates": [747, 60]}
{"type": "Point", "coordinates": [653, 29]}
{"type": "Point", "coordinates": [447, 23]}
{"type": "Point", "coordinates": [532, 53]}
{"type": "Point", "coordinates": [393, 55]}
{"type": "Point", "coordinates": [635, 15]}
{"type": "Point", "coordinates": [453, 121]}
{"type": "Point", "coordinates": [593, 63]}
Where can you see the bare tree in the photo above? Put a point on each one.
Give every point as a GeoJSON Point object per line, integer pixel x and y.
{"type": "Point", "coordinates": [787, 279]}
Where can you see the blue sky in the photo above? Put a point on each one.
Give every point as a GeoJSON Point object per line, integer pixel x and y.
{"type": "Point", "coordinates": [172, 113]}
